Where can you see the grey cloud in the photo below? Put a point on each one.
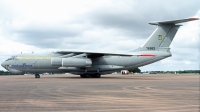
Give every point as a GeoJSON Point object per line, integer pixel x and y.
{"type": "Point", "coordinates": [185, 54]}
{"type": "Point", "coordinates": [130, 19]}
{"type": "Point", "coordinates": [125, 22]}
{"type": "Point", "coordinates": [45, 36]}
{"type": "Point", "coordinates": [133, 21]}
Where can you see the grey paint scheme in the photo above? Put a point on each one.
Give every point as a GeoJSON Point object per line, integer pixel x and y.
{"type": "Point", "coordinates": [154, 49]}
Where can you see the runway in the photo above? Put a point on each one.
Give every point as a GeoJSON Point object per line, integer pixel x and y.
{"type": "Point", "coordinates": [111, 93]}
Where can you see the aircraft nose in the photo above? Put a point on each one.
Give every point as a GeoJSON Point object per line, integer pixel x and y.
{"type": "Point", "coordinates": [3, 64]}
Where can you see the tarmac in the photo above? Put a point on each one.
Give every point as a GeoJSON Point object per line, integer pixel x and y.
{"type": "Point", "coordinates": [110, 93]}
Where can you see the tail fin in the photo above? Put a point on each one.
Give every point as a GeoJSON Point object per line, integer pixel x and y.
{"type": "Point", "coordinates": [163, 35]}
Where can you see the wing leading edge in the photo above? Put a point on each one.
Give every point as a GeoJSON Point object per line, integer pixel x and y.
{"type": "Point", "coordinates": [95, 54]}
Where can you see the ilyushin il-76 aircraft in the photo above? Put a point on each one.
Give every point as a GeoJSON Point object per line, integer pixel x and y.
{"type": "Point", "coordinates": [95, 64]}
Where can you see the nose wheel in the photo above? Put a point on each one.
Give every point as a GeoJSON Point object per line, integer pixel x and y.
{"type": "Point", "coordinates": [37, 75]}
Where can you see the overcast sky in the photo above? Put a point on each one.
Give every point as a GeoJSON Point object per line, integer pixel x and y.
{"type": "Point", "coordinates": [97, 25]}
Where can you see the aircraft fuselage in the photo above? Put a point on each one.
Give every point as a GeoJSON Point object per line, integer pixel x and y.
{"type": "Point", "coordinates": [41, 63]}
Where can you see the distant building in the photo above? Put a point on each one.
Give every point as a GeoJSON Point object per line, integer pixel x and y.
{"type": "Point", "coordinates": [124, 72]}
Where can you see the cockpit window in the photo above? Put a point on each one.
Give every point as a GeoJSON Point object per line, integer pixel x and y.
{"type": "Point", "coordinates": [12, 58]}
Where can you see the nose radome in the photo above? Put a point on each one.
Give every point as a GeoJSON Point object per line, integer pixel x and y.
{"type": "Point", "coordinates": [3, 64]}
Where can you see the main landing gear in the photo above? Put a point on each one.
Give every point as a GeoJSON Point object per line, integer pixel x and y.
{"type": "Point", "coordinates": [37, 75]}
{"type": "Point", "coordinates": [86, 75]}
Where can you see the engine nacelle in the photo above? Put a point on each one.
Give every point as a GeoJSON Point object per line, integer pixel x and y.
{"type": "Point", "coordinates": [56, 61]}
{"type": "Point", "coordinates": [76, 62]}
{"type": "Point", "coordinates": [71, 62]}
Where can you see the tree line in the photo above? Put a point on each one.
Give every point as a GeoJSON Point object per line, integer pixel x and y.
{"type": "Point", "coordinates": [4, 72]}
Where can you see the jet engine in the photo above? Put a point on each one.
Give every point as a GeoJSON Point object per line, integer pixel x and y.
{"type": "Point", "coordinates": [71, 62]}
{"type": "Point", "coordinates": [56, 61]}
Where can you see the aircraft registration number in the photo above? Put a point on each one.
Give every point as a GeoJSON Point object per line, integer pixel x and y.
{"type": "Point", "coordinates": [150, 48]}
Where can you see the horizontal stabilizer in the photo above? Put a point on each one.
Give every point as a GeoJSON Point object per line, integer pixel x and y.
{"type": "Point", "coordinates": [172, 21]}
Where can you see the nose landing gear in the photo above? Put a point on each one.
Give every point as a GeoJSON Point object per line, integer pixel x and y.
{"type": "Point", "coordinates": [37, 75]}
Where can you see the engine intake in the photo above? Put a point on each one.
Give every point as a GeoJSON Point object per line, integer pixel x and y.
{"type": "Point", "coordinates": [76, 62]}
{"type": "Point", "coordinates": [56, 61]}
{"type": "Point", "coordinates": [71, 62]}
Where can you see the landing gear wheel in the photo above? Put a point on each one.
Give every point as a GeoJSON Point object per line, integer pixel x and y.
{"type": "Point", "coordinates": [87, 75]}
{"type": "Point", "coordinates": [37, 75]}
{"type": "Point", "coordinates": [93, 76]}
{"type": "Point", "coordinates": [82, 76]}
{"type": "Point", "coordinates": [97, 75]}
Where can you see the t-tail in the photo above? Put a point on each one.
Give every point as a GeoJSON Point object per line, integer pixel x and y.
{"type": "Point", "coordinates": [164, 34]}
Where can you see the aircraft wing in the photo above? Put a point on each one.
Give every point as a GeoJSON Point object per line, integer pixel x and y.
{"type": "Point", "coordinates": [97, 54]}
{"type": "Point", "coordinates": [92, 54]}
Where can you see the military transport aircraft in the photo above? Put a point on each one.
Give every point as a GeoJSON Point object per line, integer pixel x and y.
{"type": "Point", "coordinates": [95, 64]}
